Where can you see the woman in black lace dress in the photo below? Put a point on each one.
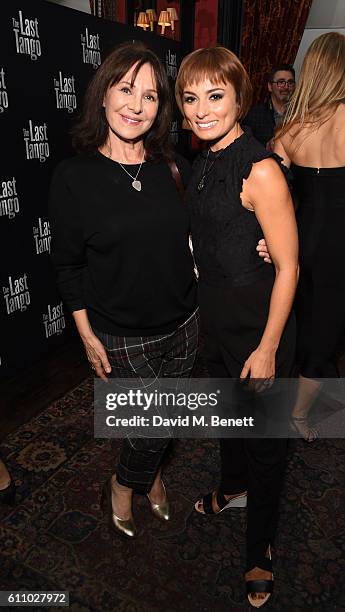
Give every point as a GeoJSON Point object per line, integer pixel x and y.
{"type": "Point", "coordinates": [237, 195]}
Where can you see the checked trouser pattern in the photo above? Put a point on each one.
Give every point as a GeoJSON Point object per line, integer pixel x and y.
{"type": "Point", "coordinates": [146, 358]}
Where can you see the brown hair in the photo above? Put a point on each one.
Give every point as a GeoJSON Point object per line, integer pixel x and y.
{"type": "Point", "coordinates": [321, 86]}
{"type": "Point", "coordinates": [219, 65]}
{"type": "Point", "coordinates": [91, 129]}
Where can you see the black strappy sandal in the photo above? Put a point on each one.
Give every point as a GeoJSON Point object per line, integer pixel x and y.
{"type": "Point", "coordinates": [261, 586]}
{"type": "Point", "coordinates": [240, 501]}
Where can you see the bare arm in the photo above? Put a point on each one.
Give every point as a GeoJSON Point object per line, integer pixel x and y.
{"type": "Point", "coordinates": [266, 192]}
{"type": "Point", "coordinates": [280, 148]}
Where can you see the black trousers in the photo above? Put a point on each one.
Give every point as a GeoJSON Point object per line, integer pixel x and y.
{"type": "Point", "coordinates": [146, 358]}
{"type": "Point", "coordinates": [233, 322]}
{"type": "Point", "coordinates": [256, 466]}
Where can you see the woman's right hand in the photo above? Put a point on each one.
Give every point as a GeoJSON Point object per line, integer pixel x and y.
{"type": "Point", "coordinates": [94, 348]}
{"type": "Point", "coordinates": [97, 356]}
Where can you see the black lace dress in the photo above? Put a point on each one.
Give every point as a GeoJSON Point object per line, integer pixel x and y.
{"type": "Point", "coordinates": [235, 284]}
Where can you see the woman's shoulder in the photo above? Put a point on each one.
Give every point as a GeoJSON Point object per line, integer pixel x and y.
{"type": "Point", "coordinates": [248, 151]}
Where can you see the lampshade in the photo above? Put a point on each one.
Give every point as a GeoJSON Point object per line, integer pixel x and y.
{"type": "Point", "coordinates": [142, 21]}
{"type": "Point", "coordinates": [164, 20]}
{"type": "Point", "coordinates": [152, 17]}
{"type": "Point", "coordinates": [151, 14]}
{"type": "Point", "coordinates": [172, 16]}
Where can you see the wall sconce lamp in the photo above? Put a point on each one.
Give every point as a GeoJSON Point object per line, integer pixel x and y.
{"type": "Point", "coordinates": [164, 21]}
{"type": "Point", "coordinates": [173, 16]}
{"type": "Point", "coordinates": [142, 21]}
{"type": "Point", "coordinates": [152, 17]}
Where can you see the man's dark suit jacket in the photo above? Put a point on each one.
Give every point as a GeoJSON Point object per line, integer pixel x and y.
{"type": "Point", "coordinates": [260, 119]}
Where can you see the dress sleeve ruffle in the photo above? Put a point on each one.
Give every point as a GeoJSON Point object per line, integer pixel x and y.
{"type": "Point", "coordinates": [259, 156]}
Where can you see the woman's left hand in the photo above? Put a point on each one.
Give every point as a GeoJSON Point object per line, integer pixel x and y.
{"type": "Point", "coordinates": [260, 366]}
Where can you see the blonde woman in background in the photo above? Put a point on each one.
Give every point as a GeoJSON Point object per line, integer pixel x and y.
{"type": "Point", "coordinates": [312, 141]}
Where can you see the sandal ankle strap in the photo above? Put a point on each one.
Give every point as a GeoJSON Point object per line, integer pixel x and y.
{"type": "Point", "coordinates": [259, 586]}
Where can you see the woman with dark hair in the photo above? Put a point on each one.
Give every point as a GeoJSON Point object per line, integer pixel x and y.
{"type": "Point", "coordinates": [237, 194]}
{"type": "Point", "coordinates": [120, 246]}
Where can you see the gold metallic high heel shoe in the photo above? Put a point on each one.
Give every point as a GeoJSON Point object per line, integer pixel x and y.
{"type": "Point", "coordinates": [161, 511]}
{"type": "Point", "coordinates": [123, 526]}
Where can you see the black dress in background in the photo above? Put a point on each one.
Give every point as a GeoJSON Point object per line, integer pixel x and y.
{"type": "Point", "coordinates": [320, 303]}
{"type": "Point", "coordinates": [234, 294]}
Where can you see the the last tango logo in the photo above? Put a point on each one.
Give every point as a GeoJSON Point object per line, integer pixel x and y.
{"type": "Point", "coordinates": [3, 92]}
{"type": "Point", "coordinates": [42, 236]}
{"type": "Point", "coordinates": [36, 141]}
{"type": "Point", "coordinates": [26, 35]}
{"type": "Point", "coordinates": [91, 48]}
{"type": "Point", "coordinates": [9, 200]}
{"type": "Point", "coordinates": [65, 96]}
{"type": "Point", "coordinates": [54, 320]}
{"type": "Point", "coordinates": [16, 294]}
{"type": "Point", "coordinates": [171, 64]}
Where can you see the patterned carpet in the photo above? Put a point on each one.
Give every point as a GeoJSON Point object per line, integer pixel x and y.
{"type": "Point", "coordinates": [56, 538]}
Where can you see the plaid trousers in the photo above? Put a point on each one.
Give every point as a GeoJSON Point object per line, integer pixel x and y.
{"type": "Point", "coordinates": [149, 357]}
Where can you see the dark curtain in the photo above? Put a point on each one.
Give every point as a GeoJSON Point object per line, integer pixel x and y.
{"type": "Point", "coordinates": [187, 23]}
{"type": "Point", "coordinates": [271, 34]}
{"type": "Point", "coordinates": [230, 24]}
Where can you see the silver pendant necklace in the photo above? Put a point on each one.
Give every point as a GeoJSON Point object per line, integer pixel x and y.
{"type": "Point", "coordinates": [205, 172]}
{"type": "Point", "coordinates": [201, 183]}
{"type": "Point", "coordinates": [135, 183]}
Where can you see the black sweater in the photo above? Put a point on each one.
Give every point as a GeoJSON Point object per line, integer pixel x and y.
{"type": "Point", "coordinates": [122, 254]}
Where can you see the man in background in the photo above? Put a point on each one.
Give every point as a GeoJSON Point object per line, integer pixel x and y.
{"type": "Point", "coordinates": [264, 118]}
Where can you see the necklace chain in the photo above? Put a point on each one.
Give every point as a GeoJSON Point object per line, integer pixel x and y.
{"type": "Point", "coordinates": [129, 174]}
{"type": "Point", "coordinates": [201, 183]}
{"type": "Point", "coordinates": [204, 174]}
{"type": "Point", "coordinates": [135, 183]}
